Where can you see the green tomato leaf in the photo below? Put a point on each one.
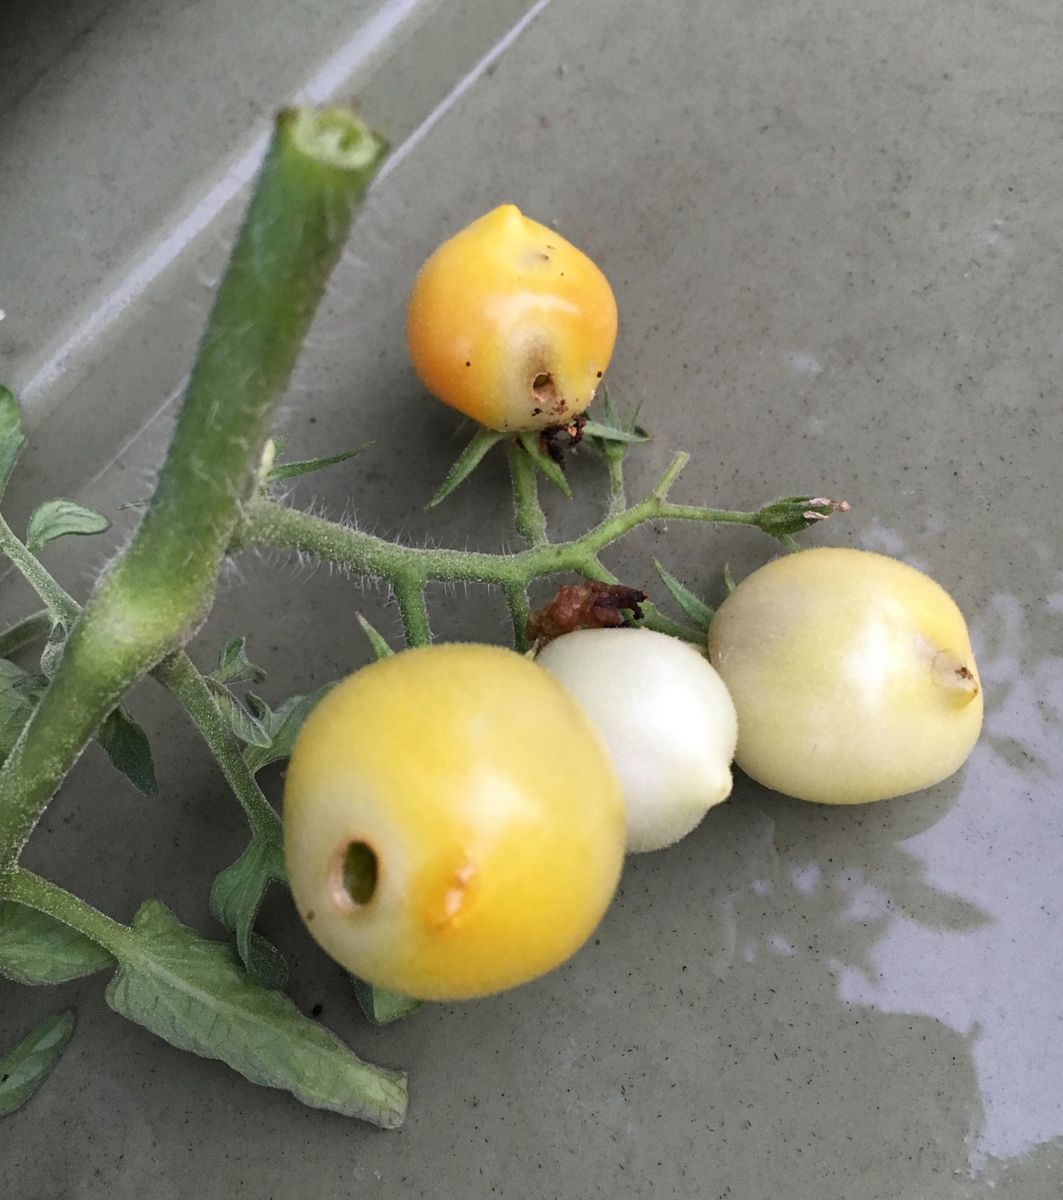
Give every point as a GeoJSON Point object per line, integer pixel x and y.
{"type": "Point", "coordinates": [467, 462]}
{"type": "Point", "coordinates": [247, 727]}
{"type": "Point", "coordinates": [293, 469]}
{"type": "Point", "coordinates": [728, 579]}
{"type": "Point", "coordinates": [129, 750]}
{"type": "Point", "coordinates": [29, 1064]}
{"type": "Point", "coordinates": [38, 949]}
{"type": "Point", "coordinates": [11, 436]}
{"type": "Point", "coordinates": [694, 607]}
{"type": "Point", "coordinates": [282, 727]}
{"type": "Point", "coordinates": [234, 666]}
{"type": "Point", "coordinates": [194, 994]}
{"type": "Point", "coordinates": [382, 1006]}
{"type": "Point", "coordinates": [380, 648]}
{"type": "Point", "coordinates": [18, 696]}
{"type": "Point", "coordinates": [58, 518]}
{"type": "Point", "coordinates": [235, 899]}
{"type": "Point", "coordinates": [551, 469]}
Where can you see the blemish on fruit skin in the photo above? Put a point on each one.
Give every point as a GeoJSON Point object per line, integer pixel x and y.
{"type": "Point", "coordinates": [454, 902]}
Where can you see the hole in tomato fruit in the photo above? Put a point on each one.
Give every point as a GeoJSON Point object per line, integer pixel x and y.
{"type": "Point", "coordinates": [544, 388]}
{"type": "Point", "coordinates": [354, 876]}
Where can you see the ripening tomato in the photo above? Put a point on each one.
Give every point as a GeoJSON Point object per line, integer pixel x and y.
{"type": "Point", "coordinates": [452, 824]}
{"type": "Point", "coordinates": [665, 717]}
{"type": "Point", "coordinates": [852, 674]}
{"type": "Point", "coordinates": [511, 324]}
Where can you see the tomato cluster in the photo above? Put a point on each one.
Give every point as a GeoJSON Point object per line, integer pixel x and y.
{"type": "Point", "coordinates": [456, 816]}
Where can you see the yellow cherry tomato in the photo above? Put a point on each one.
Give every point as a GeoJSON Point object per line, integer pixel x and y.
{"type": "Point", "coordinates": [452, 824]}
{"type": "Point", "coordinates": [852, 675]}
{"type": "Point", "coordinates": [511, 324]}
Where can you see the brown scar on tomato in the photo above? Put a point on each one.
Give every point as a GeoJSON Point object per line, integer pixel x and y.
{"type": "Point", "coordinates": [587, 605]}
{"type": "Point", "coordinates": [551, 439]}
{"type": "Point", "coordinates": [455, 897]}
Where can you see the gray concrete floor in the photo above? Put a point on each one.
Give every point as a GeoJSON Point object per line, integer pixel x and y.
{"type": "Point", "coordinates": [833, 230]}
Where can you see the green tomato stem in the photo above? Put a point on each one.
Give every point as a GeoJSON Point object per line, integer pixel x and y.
{"type": "Point", "coordinates": [527, 510]}
{"type": "Point", "coordinates": [408, 587]}
{"type": "Point", "coordinates": [61, 606]}
{"type": "Point", "coordinates": [160, 590]}
{"type": "Point", "coordinates": [37, 893]}
{"type": "Point", "coordinates": [268, 523]}
{"type": "Point", "coordinates": [519, 610]}
{"type": "Point", "coordinates": [179, 675]}
{"type": "Point", "coordinates": [25, 632]}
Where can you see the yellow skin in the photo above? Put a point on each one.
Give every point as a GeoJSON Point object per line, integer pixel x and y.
{"type": "Point", "coordinates": [510, 324]}
{"type": "Point", "coordinates": [493, 811]}
{"type": "Point", "coordinates": [852, 675]}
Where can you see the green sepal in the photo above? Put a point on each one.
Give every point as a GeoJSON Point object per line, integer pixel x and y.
{"type": "Point", "coordinates": [467, 462]}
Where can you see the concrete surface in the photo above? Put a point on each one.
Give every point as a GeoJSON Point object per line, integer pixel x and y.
{"type": "Point", "coordinates": [833, 229]}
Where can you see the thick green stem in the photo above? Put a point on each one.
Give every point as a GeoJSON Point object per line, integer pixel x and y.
{"type": "Point", "coordinates": [159, 591]}
{"type": "Point", "coordinates": [528, 512]}
{"type": "Point", "coordinates": [37, 893]}
{"type": "Point", "coordinates": [25, 632]}
{"type": "Point", "coordinates": [179, 675]}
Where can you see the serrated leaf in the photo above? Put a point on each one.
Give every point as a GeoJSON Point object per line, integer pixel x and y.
{"type": "Point", "coordinates": [234, 666]}
{"type": "Point", "coordinates": [129, 750]}
{"type": "Point", "coordinates": [382, 1006]}
{"type": "Point", "coordinates": [694, 607]}
{"type": "Point", "coordinates": [194, 994]}
{"type": "Point", "coordinates": [60, 518]}
{"type": "Point", "coordinates": [551, 469]}
{"type": "Point", "coordinates": [282, 729]}
{"type": "Point", "coordinates": [235, 899]}
{"type": "Point", "coordinates": [38, 949]}
{"type": "Point", "coordinates": [247, 727]}
{"type": "Point", "coordinates": [379, 647]}
{"type": "Point", "coordinates": [467, 462]}
{"type": "Point", "coordinates": [609, 433]}
{"type": "Point", "coordinates": [28, 1065]}
{"type": "Point", "coordinates": [11, 436]}
{"type": "Point", "coordinates": [294, 469]}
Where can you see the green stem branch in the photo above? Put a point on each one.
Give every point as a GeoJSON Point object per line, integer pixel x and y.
{"type": "Point", "coordinates": [24, 633]}
{"type": "Point", "coordinates": [179, 675]}
{"type": "Point", "coordinates": [60, 604]}
{"type": "Point", "coordinates": [527, 510]}
{"type": "Point", "coordinates": [161, 589]}
{"type": "Point", "coordinates": [37, 893]}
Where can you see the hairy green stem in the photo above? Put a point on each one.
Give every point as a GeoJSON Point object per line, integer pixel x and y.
{"type": "Point", "coordinates": [517, 599]}
{"type": "Point", "coordinates": [177, 673]}
{"type": "Point", "coordinates": [408, 587]}
{"type": "Point", "coordinates": [61, 605]}
{"type": "Point", "coordinates": [267, 523]}
{"type": "Point", "coordinates": [528, 512]}
{"type": "Point", "coordinates": [160, 590]}
{"type": "Point", "coordinates": [37, 893]}
{"type": "Point", "coordinates": [25, 632]}
{"type": "Point", "coordinates": [181, 677]}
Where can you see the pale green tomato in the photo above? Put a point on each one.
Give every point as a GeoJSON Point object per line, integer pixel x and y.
{"type": "Point", "coordinates": [452, 824]}
{"type": "Point", "coordinates": [852, 674]}
{"type": "Point", "coordinates": [666, 720]}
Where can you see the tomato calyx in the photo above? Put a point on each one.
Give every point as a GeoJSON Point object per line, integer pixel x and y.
{"type": "Point", "coordinates": [586, 605]}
